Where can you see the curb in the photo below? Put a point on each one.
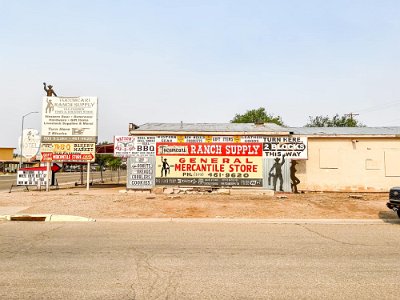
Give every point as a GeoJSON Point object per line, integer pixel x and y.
{"type": "Point", "coordinates": [45, 218]}
{"type": "Point", "coordinates": [253, 221]}
{"type": "Point", "coordinates": [69, 218]}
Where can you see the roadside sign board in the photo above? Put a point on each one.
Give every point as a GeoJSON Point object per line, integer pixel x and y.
{"type": "Point", "coordinates": [124, 146]}
{"type": "Point", "coordinates": [69, 119]}
{"type": "Point", "coordinates": [69, 129]}
{"type": "Point", "coordinates": [129, 146]}
{"type": "Point", "coordinates": [68, 152]}
{"type": "Point", "coordinates": [32, 176]}
{"type": "Point", "coordinates": [141, 172]}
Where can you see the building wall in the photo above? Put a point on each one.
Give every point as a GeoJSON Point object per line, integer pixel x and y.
{"type": "Point", "coordinates": [350, 164]}
{"type": "Point", "coordinates": [6, 153]}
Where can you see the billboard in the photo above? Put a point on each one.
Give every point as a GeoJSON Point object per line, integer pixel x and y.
{"type": "Point", "coordinates": [211, 160]}
{"type": "Point", "coordinates": [32, 176]}
{"type": "Point", "coordinates": [141, 171]}
{"type": "Point", "coordinates": [69, 129]}
{"type": "Point", "coordinates": [291, 147]}
{"type": "Point", "coordinates": [68, 152]}
{"type": "Point", "coordinates": [69, 119]}
{"type": "Point", "coordinates": [216, 164]}
{"type": "Point", "coordinates": [129, 146]}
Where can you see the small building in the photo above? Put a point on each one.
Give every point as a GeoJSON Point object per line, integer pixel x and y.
{"type": "Point", "coordinates": [7, 162]}
{"type": "Point", "coordinates": [357, 159]}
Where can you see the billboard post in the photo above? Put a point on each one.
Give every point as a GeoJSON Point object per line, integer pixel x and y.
{"type": "Point", "coordinates": [48, 172]}
{"type": "Point", "coordinates": [87, 175]}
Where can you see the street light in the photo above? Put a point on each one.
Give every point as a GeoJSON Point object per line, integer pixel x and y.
{"type": "Point", "coordinates": [22, 135]}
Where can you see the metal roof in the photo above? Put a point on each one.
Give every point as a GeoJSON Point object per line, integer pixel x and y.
{"type": "Point", "coordinates": [210, 127]}
{"type": "Point", "coordinates": [267, 128]}
{"type": "Point", "coordinates": [333, 131]}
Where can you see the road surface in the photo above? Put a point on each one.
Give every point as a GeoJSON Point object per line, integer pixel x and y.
{"type": "Point", "coordinates": [65, 177]}
{"type": "Point", "coordinates": [157, 260]}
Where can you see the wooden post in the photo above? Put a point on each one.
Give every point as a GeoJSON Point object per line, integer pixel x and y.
{"type": "Point", "coordinates": [48, 176]}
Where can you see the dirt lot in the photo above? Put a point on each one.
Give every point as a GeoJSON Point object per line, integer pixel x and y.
{"type": "Point", "coordinates": [110, 202]}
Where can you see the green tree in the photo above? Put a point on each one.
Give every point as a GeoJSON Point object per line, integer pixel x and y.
{"type": "Point", "coordinates": [102, 160]}
{"type": "Point", "coordinates": [115, 164]}
{"type": "Point", "coordinates": [257, 116]}
{"type": "Point", "coordinates": [335, 121]}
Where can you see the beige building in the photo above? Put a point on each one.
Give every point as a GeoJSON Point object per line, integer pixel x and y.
{"type": "Point", "coordinates": [361, 159]}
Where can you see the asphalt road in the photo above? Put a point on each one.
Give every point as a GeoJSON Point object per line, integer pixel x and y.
{"type": "Point", "coordinates": [198, 261]}
{"type": "Point", "coordinates": [64, 178]}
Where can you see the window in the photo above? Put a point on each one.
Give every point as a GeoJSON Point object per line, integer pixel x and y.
{"type": "Point", "coordinates": [392, 162]}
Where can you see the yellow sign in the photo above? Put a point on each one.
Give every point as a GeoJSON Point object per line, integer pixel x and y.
{"type": "Point", "coordinates": [236, 139]}
{"type": "Point", "coordinates": [68, 147]}
{"type": "Point", "coordinates": [68, 152]}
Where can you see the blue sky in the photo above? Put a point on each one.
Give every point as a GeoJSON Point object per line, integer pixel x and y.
{"type": "Point", "coordinates": [201, 61]}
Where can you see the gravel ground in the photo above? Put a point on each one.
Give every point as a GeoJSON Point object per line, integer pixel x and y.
{"type": "Point", "coordinates": [110, 201]}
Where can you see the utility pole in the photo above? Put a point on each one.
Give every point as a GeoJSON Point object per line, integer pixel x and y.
{"type": "Point", "coordinates": [351, 115]}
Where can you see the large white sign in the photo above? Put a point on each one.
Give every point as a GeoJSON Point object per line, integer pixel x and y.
{"type": "Point", "coordinates": [141, 172]}
{"type": "Point", "coordinates": [293, 147]}
{"type": "Point", "coordinates": [30, 143]}
{"type": "Point", "coordinates": [32, 176]}
{"type": "Point", "coordinates": [69, 119]}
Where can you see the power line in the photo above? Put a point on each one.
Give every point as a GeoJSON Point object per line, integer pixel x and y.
{"type": "Point", "coordinates": [391, 121]}
{"type": "Point", "coordinates": [379, 107]}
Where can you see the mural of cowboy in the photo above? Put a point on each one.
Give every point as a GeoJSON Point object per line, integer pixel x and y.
{"type": "Point", "coordinates": [276, 173]}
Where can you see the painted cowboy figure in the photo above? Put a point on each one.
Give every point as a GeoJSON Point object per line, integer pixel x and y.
{"type": "Point", "coordinates": [295, 180]}
{"type": "Point", "coordinates": [276, 173]}
{"type": "Point", "coordinates": [165, 167]}
{"type": "Point", "coordinates": [50, 92]}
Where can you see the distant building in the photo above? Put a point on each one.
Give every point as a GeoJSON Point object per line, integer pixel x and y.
{"type": "Point", "coordinates": [7, 162]}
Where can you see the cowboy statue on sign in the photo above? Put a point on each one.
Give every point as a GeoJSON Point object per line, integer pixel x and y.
{"type": "Point", "coordinates": [49, 90]}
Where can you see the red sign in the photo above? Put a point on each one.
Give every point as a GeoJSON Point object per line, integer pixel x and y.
{"type": "Point", "coordinates": [209, 149]}
{"type": "Point", "coordinates": [55, 168]}
{"type": "Point", "coordinates": [48, 156]}
{"type": "Point", "coordinates": [72, 157]}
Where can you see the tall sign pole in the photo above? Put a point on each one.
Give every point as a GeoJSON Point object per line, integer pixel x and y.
{"type": "Point", "coordinates": [48, 175]}
{"type": "Point", "coordinates": [87, 175]}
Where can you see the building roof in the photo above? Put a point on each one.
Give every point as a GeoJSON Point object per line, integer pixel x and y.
{"type": "Point", "coordinates": [259, 129]}
{"type": "Point", "coordinates": [222, 128]}
{"type": "Point", "coordinates": [105, 149]}
{"type": "Point", "coordinates": [344, 131]}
